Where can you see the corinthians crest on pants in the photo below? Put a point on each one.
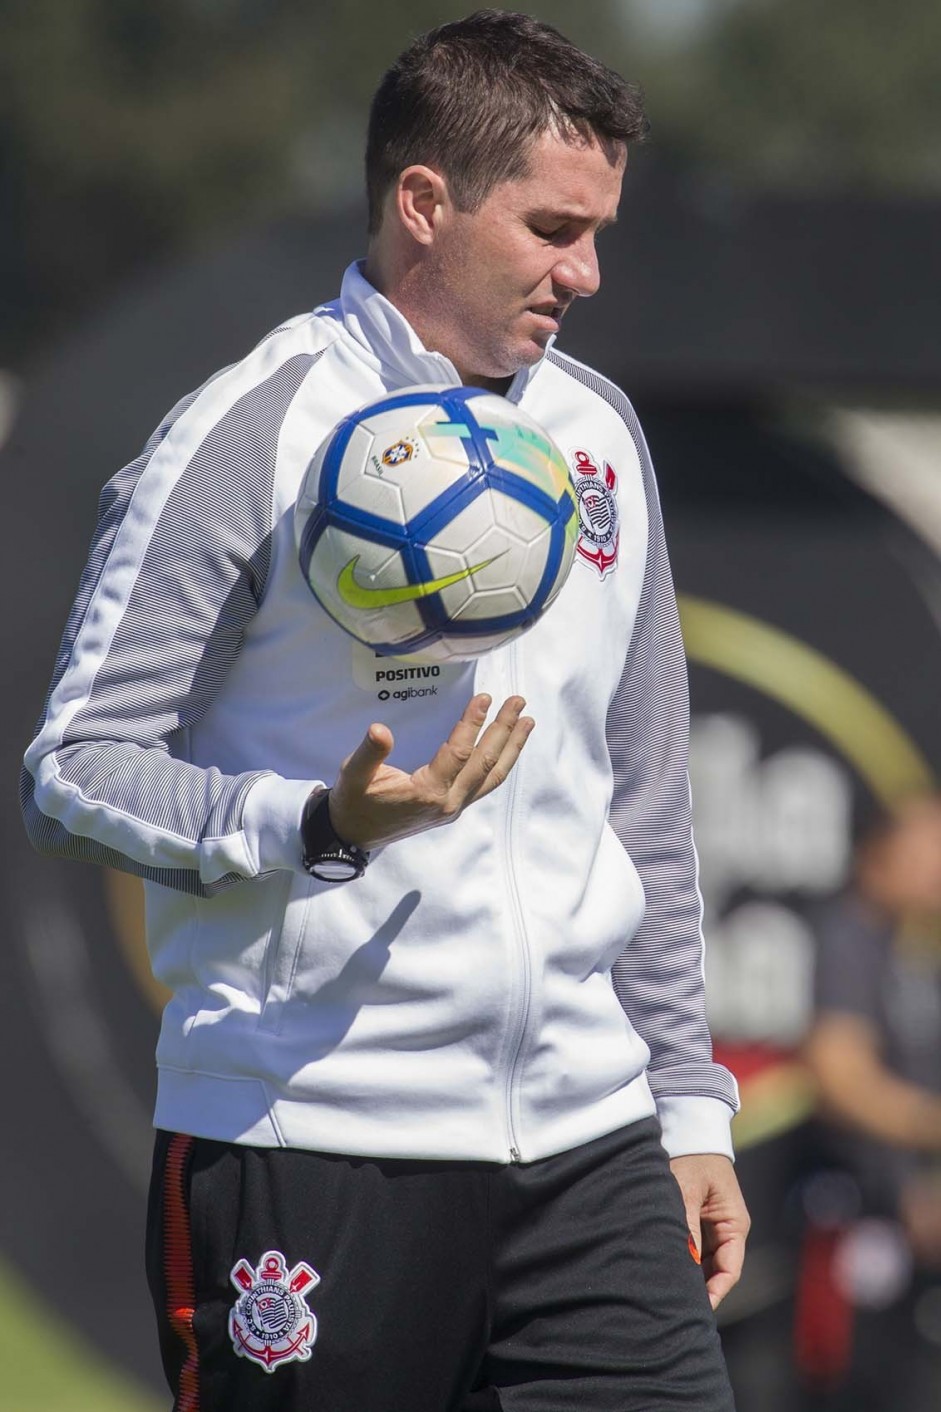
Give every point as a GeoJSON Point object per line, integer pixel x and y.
{"type": "Point", "coordinates": [599, 524]}
{"type": "Point", "coordinates": [270, 1323]}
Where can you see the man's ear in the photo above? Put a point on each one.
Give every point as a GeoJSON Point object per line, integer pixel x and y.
{"type": "Point", "coordinates": [422, 201]}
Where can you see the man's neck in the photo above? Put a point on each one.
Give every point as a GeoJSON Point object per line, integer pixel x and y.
{"type": "Point", "coordinates": [397, 291]}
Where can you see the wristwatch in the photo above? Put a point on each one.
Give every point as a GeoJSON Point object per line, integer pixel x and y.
{"type": "Point", "coordinates": [325, 856]}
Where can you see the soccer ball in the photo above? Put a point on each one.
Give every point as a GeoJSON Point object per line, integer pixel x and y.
{"type": "Point", "coordinates": [436, 523]}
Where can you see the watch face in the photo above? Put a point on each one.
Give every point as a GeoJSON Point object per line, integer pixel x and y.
{"type": "Point", "coordinates": [335, 869]}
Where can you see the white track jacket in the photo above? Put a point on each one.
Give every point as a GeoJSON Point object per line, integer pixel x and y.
{"type": "Point", "coordinates": [518, 982]}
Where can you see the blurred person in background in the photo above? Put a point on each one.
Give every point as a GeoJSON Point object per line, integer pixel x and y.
{"type": "Point", "coordinates": [875, 1053]}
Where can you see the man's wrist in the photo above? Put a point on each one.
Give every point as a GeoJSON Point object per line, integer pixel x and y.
{"type": "Point", "coordinates": [326, 856]}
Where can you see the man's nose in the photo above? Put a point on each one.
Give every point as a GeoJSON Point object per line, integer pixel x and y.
{"type": "Point", "coordinates": [578, 269]}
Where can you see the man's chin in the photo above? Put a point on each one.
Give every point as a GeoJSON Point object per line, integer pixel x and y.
{"type": "Point", "coordinates": [533, 348]}
{"type": "Point", "coordinates": [523, 355]}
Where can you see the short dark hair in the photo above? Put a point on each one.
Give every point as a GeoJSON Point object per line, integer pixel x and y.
{"type": "Point", "coordinates": [469, 97]}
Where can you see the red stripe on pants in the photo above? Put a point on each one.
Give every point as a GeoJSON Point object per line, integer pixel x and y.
{"type": "Point", "coordinates": [178, 1268]}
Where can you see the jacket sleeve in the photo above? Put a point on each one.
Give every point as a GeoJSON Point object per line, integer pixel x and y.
{"type": "Point", "coordinates": [176, 570]}
{"type": "Point", "coordinates": [659, 975]}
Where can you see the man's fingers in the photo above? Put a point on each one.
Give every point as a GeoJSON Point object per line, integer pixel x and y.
{"type": "Point", "coordinates": [723, 1255]}
{"type": "Point", "coordinates": [463, 738]}
{"type": "Point", "coordinates": [359, 768]}
{"type": "Point", "coordinates": [723, 1269]}
{"type": "Point", "coordinates": [350, 789]}
{"type": "Point", "coordinates": [489, 761]}
{"type": "Point", "coordinates": [372, 803]}
{"type": "Point", "coordinates": [717, 1218]}
{"type": "Point", "coordinates": [718, 1287]}
{"type": "Point", "coordinates": [450, 758]}
{"type": "Point", "coordinates": [503, 763]}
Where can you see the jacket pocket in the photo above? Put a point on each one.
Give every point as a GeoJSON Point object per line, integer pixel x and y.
{"type": "Point", "coordinates": [284, 949]}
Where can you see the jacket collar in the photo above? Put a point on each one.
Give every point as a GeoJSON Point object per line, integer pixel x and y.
{"type": "Point", "coordinates": [392, 345]}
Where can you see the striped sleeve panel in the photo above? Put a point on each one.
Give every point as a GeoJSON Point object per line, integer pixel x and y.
{"type": "Point", "coordinates": [659, 975]}
{"type": "Point", "coordinates": [176, 570]}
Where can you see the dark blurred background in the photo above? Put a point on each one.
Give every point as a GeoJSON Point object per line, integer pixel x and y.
{"type": "Point", "coordinates": [177, 178]}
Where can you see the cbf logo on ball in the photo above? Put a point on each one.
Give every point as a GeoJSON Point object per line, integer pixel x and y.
{"type": "Point", "coordinates": [598, 521]}
{"type": "Point", "coordinates": [271, 1323]}
{"type": "Point", "coordinates": [398, 452]}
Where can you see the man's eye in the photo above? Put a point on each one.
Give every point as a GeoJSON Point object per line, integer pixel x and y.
{"type": "Point", "coordinates": [545, 234]}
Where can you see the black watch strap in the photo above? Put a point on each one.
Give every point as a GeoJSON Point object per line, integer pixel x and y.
{"type": "Point", "coordinates": [325, 856]}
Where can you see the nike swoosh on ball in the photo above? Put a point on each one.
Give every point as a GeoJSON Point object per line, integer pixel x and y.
{"type": "Point", "coordinates": [357, 596]}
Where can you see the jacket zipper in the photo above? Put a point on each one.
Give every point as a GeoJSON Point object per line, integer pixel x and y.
{"type": "Point", "coordinates": [522, 945]}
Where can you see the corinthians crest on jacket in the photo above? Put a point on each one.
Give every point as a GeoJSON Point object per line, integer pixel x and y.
{"type": "Point", "coordinates": [598, 519]}
{"type": "Point", "coordinates": [270, 1323]}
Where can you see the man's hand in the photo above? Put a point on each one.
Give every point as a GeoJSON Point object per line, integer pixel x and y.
{"type": "Point", "coordinates": [372, 803]}
{"type": "Point", "coordinates": [716, 1216]}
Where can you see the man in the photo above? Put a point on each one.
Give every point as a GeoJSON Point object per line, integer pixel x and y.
{"type": "Point", "coordinates": [409, 1151]}
{"type": "Point", "coordinates": [874, 1051]}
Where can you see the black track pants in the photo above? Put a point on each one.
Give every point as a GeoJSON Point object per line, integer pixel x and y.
{"type": "Point", "coordinates": [307, 1282]}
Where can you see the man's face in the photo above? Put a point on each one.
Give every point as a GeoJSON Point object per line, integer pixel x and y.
{"type": "Point", "coordinates": [504, 275]}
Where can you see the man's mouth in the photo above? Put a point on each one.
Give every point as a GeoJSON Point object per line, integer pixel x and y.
{"type": "Point", "coordinates": [551, 313]}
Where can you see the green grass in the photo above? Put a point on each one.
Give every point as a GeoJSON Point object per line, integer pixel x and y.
{"type": "Point", "coordinates": [46, 1367]}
